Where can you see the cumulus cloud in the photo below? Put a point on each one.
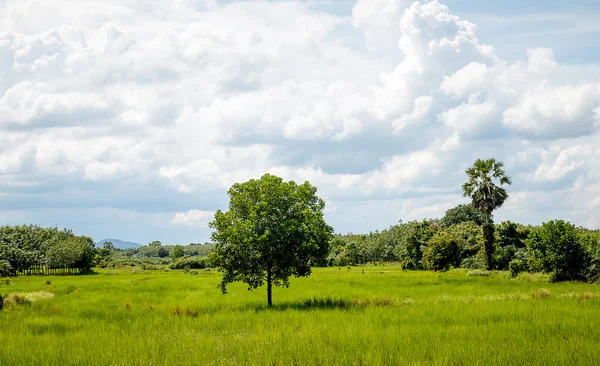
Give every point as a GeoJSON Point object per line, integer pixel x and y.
{"type": "Point", "coordinates": [193, 218]}
{"type": "Point", "coordinates": [159, 108]}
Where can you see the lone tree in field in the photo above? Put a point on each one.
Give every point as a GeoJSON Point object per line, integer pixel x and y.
{"type": "Point", "coordinates": [273, 230]}
{"type": "Point", "coordinates": [484, 188]}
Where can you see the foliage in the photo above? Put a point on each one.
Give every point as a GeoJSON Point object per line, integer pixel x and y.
{"type": "Point", "coordinates": [510, 243]}
{"type": "Point", "coordinates": [25, 247]}
{"type": "Point", "coordinates": [74, 252]}
{"type": "Point", "coordinates": [593, 273]}
{"type": "Point", "coordinates": [442, 252]}
{"type": "Point", "coordinates": [412, 240]}
{"type": "Point", "coordinates": [470, 236]}
{"type": "Point", "coordinates": [178, 252]}
{"type": "Point", "coordinates": [272, 230]}
{"type": "Point", "coordinates": [557, 249]}
{"type": "Point", "coordinates": [6, 270]}
{"type": "Point", "coordinates": [189, 263]}
{"type": "Point", "coordinates": [516, 266]}
{"type": "Point", "coordinates": [483, 186]}
{"type": "Point", "coordinates": [461, 214]}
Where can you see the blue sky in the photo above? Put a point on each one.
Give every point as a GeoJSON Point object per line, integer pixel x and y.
{"type": "Point", "coordinates": [130, 119]}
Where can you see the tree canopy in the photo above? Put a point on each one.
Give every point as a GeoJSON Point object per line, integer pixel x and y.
{"type": "Point", "coordinates": [483, 186]}
{"type": "Point", "coordinates": [460, 214]}
{"type": "Point", "coordinates": [272, 230]}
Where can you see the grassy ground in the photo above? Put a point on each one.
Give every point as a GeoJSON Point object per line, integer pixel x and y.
{"type": "Point", "coordinates": [381, 316]}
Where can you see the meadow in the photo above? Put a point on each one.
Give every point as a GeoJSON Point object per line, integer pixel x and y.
{"type": "Point", "coordinates": [376, 315]}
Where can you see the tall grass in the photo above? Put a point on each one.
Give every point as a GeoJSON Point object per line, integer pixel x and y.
{"type": "Point", "coordinates": [381, 316]}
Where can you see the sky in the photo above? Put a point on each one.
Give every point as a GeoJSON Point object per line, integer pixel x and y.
{"type": "Point", "coordinates": [130, 119]}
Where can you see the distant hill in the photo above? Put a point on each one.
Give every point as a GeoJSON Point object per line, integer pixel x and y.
{"type": "Point", "coordinates": [120, 244]}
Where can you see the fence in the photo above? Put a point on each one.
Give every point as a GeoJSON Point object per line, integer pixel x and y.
{"type": "Point", "coordinates": [46, 271]}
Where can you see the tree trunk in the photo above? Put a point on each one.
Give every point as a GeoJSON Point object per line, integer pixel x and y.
{"type": "Point", "coordinates": [269, 288]}
{"type": "Point", "coordinates": [488, 244]}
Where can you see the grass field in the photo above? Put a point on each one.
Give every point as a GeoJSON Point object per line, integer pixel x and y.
{"type": "Point", "coordinates": [381, 316]}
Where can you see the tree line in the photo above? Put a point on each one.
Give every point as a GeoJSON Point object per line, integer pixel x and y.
{"type": "Point", "coordinates": [37, 250]}
{"type": "Point", "coordinates": [275, 229]}
{"type": "Point", "coordinates": [155, 253]}
{"type": "Point", "coordinates": [457, 241]}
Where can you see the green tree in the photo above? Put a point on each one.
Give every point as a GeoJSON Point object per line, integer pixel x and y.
{"type": "Point", "coordinates": [108, 245]}
{"type": "Point", "coordinates": [155, 244]}
{"type": "Point", "coordinates": [460, 214]}
{"type": "Point", "coordinates": [442, 252]}
{"type": "Point", "coordinates": [411, 239]}
{"type": "Point", "coordinates": [178, 251]}
{"type": "Point", "coordinates": [74, 252]}
{"type": "Point", "coordinates": [510, 243]}
{"type": "Point", "coordinates": [272, 230]}
{"type": "Point", "coordinates": [6, 270]}
{"type": "Point", "coordinates": [484, 187]}
{"type": "Point", "coordinates": [557, 248]}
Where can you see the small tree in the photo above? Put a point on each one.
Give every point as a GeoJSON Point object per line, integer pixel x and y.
{"type": "Point", "coordinates": [178, 252]}
{"type": "Point", "coordinates": [413, 238]}
{"type": "Point", "coordinates": [484, 188]}
{"type": "Point", "coordinates": [272, 230]}
{"type": "Point", "coordinates": [556, 247]}
{"type": "Point", "coordinates": [442, 252]}
{"type": "Point", "coordinates": [6, 270]}
{"type": "Point", "coordinates": [108, 245]}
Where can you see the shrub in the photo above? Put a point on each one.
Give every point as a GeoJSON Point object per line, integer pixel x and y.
{"type": "Point", "coordinates": [147, 267]}
{"type": "Point", "coordinates": [442, 252]}
{"type": "Point", "coordinates": [515, 267]}
{"type": "Point", "coordinates": [593, 272]}
{"type": "Point", "coordinates": [474, 262]}
{"type": "Point", "coordinates": [189, 263]}
{"type": "Point", "coordinates": [6, 269]}
{"type": "Point", "coordinates": [556, 248]}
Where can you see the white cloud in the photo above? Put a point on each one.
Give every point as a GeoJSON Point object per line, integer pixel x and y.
{"type": "Point", "coordinates": [192, 218]}
{"type": "Point", "coordinates": [161, 107]}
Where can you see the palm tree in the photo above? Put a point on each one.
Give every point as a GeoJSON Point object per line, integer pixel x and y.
{"type": "Point", "coordinates": [486, 196]}
{"type": "Point", "coordinates": [482, 187]}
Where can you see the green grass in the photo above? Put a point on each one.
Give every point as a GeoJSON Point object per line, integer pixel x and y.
{"type": "Point", "coordinates": [382, 316]}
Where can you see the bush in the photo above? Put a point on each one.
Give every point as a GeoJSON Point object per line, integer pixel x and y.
{"type": "Point", "coordinates": [556, 248]}
{"type": "Point", "coordinates": [148, 267]}
{"type": "Point", "coordinates": [6, 270]}
{"type": "Point", "coordinates": [189, 263]}
{"type": "Point", "coordinates": [443, 251]}
{"type": "Point", "coordinates": [515, 267]}
{"type": "Point", "coordinates": [593, 272]}
{"type": "Point", "coordinates": [474, 262]}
